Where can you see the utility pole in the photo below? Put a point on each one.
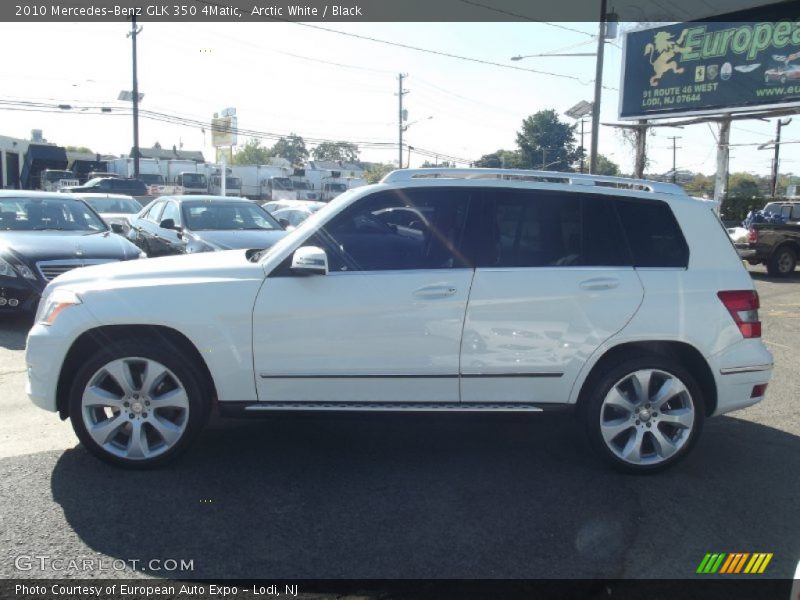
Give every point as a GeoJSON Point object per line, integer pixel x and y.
{"type": "Point", "coordinates": [132, 34]}
{"type": "Point", "coordinates": [723, 160]}
{"type": "Point", "coordinates": [641, 149]}
{"type": "Point", "coordinates": [583, 149]}
{"type": "Point", "coordinates": [400, 118]}
{"type": "Point", "coordinates": [674, 148]}
{"type": "Point", "coordinates": [598, 86]}
{"type": "Point", "coordinates": [781, 123]}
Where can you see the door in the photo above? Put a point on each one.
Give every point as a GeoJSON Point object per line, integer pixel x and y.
{"type": "Point", "coordinates": [146, 227]}
{"type": "Point", "coordinates": [169, 241]}
{"type": "Point", "coordinates": [553, 281]}
{"type": "Point", "coordinates": [384, 325]}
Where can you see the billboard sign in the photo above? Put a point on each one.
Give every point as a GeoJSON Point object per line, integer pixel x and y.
{"type": "Point", "coordinates": [223, 131]}
{"type": "Point", "coordinates": [710, 68]}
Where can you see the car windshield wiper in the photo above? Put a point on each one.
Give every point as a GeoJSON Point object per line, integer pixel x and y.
{"type": "Point", "coordinates": [51, 229]}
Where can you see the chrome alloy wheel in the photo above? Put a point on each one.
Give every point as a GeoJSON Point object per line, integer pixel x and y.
{"type": "Point", "coordinates": [647, 416]}
{"type": "Point", "coordinates": [135, 408]}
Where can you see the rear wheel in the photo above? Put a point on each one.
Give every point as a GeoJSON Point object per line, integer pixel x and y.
{"type": "Point", "coordinates": [645, 414]}
{"type": "Point", "coordinates": [136, 404]}
{"type": "Point", "coordinates": [782, 262]}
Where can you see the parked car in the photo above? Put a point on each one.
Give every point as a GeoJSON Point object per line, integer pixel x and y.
{"type": "Point", "coordinates": [191, 224]}
{"type": "Point", "coordinates": [776, 245]}
{"type": "Point", "coordinates": [115, 209]}
{"type": "Point", "coordinates": [519, 290]}
{"type": "Point", "coordinates": [46, 234]}
{"type": "Point", "coordinates": [110, 185]}
{"type": "Point", "coordinates": [274, 205]}
{"type": "Point", "coordinates": [292, 216]}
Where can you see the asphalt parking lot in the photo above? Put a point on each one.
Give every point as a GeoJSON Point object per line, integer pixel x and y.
{"type": "Point", "coordinates": [401, 496]}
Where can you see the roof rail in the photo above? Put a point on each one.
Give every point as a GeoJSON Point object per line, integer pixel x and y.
{"type": "Point", "coordinates": [644, 185]}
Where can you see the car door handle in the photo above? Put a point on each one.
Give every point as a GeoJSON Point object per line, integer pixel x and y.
{"type": "Point", "coordinates": [435, 291]}
{"type": "Point", "coordinates": [600, 283]}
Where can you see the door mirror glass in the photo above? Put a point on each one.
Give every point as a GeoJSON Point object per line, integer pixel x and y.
{"type": "Point", "coordinates": [117, 228]}
{"type": "Point", "coordinates": [310, 260]}
{"type": "Point", "coordinates": [167, 224]}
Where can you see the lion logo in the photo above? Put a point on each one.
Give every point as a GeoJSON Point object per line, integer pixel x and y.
{"type": "Point", "coordinates": [667, 48]}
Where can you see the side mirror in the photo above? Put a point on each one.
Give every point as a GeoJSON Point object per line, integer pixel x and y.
{"type": "Point", "coordinates": [167, 224]}
{"type": "Point", "coordinates": [284, 223]}
{"type": "Point", "coordinates": [117, 228]}
{"type": "Point", "coordinates": [310, 260]}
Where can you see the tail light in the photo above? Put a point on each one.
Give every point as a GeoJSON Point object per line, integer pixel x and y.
{"type": "Point", "coordinates": [743, 306]}
{"type": "Point", "coordinates": [752, 235]}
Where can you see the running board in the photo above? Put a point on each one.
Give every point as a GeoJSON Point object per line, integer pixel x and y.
{"type": "Point", "coordinates": [394, 406]}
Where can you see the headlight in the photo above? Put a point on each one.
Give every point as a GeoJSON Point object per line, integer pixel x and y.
{"type": "Point", "coordinates": [25, 272]}
{"type": "Point", "coordinates": [55, 304]}
{"type": "Point", "coordinates": [6, 270]}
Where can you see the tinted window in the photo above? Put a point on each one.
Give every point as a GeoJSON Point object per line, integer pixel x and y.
{"type": "Point", "coordinates": [796, 212]}
{"type": "Point", "coordinates": [171, 212]}
{"type": "Point", "coordinates": [653, 234]}
{"type": "Point", "coordinates": [533, 228]}
{"type": "Point", "coordinates": [366, 237]}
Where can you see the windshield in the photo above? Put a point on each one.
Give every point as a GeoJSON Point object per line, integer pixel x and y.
{"type": "Point", "coordinates": [151, 179]}
{"type": "Point", "coordinates": [203, 216]}
{"type": "Point", "coordinates": [336, 187]}
{"type": "Point", "coordinates": [114, 205]}
{"type": "Point", "coordinates": [35, 214]}
{"type": "Point", "coordinates": [282, 183]}
{"type": "Point", "coordinates": [95, 181]}
{"type": "Point", "coordinates": [301, 185]}
{"type": "Point", "coordinates": [194, 180]}
{"type": "Point", "coordinates": [56, 175]}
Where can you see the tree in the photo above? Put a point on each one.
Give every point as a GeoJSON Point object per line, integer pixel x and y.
{"type": "Point", "coordinates": [157, 145]}
{"type": "Point", "coordinates": [442, 165]}
{"type": "Point", "coordinates": [252, 153]}
{"type": "Point", "coordinates": [701, 186]}
{"type": "Point", "coordinates": [292, 148]}
{"type": "Point", "coordinates": [77, 149]}
{"type": "Point", "coordinates": [606, 166]}
{"type": "Point", "coordinates": [546, 143]}
{"type": "Point", "coordinates": [336, 152]}
{"type": "Point", "coordinates": [377, 171]}
{"type": "Point", "coordinates": [500, 159]}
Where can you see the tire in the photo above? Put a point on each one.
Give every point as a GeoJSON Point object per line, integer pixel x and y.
{"type": "Point", "coordinates": [651, 433]}
{"type": "Point", "coordinates": [782, 262]}
{"type": "Point", "coordinates": [138, 387]}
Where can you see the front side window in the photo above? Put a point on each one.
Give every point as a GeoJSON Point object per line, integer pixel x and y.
{"type": "Point", "coordinates": [365, 237]}
{"type": "Point", "coordinates": [171, 211]}
{"type": "Point", "coordinates": [154, 212]}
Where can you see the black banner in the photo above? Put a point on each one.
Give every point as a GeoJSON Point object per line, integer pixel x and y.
{"type": "Point", "coordinates": [711, 67]}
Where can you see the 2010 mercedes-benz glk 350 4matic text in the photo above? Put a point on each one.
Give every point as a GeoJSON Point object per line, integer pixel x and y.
{"type": "Point", "coordinates": [449, 290]}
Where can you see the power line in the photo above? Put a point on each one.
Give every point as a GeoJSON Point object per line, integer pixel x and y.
{"type": "Point", "coordinates": [525, 18]}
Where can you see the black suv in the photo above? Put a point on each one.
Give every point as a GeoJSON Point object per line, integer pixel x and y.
{"type": "Point", "coordinates": [111, 185]}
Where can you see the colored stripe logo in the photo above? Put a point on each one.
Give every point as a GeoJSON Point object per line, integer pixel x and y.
{"type": "Point", "coordinates": [734, 563]}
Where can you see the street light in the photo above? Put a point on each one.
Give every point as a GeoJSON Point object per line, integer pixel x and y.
{"type": "Point", "coordinates": [518, 57]}
{"type": "Point", "coordinates": [407, 125]}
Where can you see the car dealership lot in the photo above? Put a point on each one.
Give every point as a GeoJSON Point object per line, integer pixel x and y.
{"type": "Point", "coordinates": [381, 495]}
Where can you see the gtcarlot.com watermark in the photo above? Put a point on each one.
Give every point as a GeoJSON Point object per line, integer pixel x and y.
{"type": "Point", "coordinates": [46, 563]}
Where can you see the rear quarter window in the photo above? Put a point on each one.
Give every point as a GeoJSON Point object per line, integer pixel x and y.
{"type": "Point", "coordinates": [653, 233]}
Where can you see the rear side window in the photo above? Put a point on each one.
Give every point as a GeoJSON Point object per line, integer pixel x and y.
{"type": "Point", "coordinates": [534, 228]}
{"type": "Point", "coordinates": [795, 212]}
{"type": "Point", "coordinates": [653, 233]}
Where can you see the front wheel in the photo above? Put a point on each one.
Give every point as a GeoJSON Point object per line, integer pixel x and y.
{"type": "Point", "coordinates": [645, 414]}
{"type": "Point", "coordinates": [782, 262]}
{"type": "Point", "coordinates": [136, 404]}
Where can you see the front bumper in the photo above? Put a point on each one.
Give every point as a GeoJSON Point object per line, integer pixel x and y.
{"type": "Point", "coordinates": [17, 295]}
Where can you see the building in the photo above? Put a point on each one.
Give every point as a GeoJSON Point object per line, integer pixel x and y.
{"type": "Point", "coordinates": [12, 156]}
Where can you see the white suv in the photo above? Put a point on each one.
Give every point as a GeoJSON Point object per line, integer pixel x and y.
{"type": "Point", "coordinates": [435, 290]}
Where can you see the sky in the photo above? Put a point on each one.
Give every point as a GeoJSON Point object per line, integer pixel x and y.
{"type": "Point", "coordinates": [280, 77]}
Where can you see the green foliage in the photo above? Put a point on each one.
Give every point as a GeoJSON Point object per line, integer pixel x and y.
{"type": "Point", "coordinates": [545, 142]}
{"type": "Point", "coordinates": [82, 149]}
{"type": "Point", "coordinates": [252, 153]}
{"type": "Point", "coordinates": [500, 159]}
{"type": "Point", "coordinates": [700, 186]}
{"type": "Point", "coordinates": [442, 165]}
{"type": "Point", "coordinates": [375, 172]}
{"type": "Point", "coordinates": [336, 152]}
{"type": "Point", "coordinates": [605, 166]}
{"type": "Point", "coordinates": [292, 148]}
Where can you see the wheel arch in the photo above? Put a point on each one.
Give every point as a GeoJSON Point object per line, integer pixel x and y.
{"type": "Point", "coordinates": [791, 243]}
{"type": "Point", "coordinates": [689, 356]}
{"type": "Point", "coordinates": [93, 340]}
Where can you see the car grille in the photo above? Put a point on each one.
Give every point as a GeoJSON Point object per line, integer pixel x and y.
{"type": "Point", "coordinates": [50, 269]}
